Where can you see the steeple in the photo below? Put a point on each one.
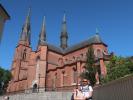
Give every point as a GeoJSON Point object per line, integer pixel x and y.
{"type": "Point", "coordinates": [64, 24]}
{"type": "Point", "coordinates": [64, 34]}
{"type": "Point", "coordinates": [42, 36]}
{"type": "Point", "coordinates": [26, 30]}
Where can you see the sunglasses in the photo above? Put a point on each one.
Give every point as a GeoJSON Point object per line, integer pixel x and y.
{"type": "Point", "coordinates": [84, 81]}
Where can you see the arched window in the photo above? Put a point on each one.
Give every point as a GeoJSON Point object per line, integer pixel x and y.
{"type": "Point", "coordinates": [55, 75]}
{"type": "Point", "coordinates": [74, 75]}
{"type": "Point", "coordinates": [54, 80]}
{"type": "Point", "coordinates": [60, 60]}
{"type": "Point", "coordinates": [82, 56]}
{"type": "Point", "coordinates": [37, 68]}
{"type": "Point", "coordinates": [83, 69]}
{"type": "Point", "coordinates": [74, 57]}
{"type": "Point", "coordinates": [38, 58]}
{"type": "Point", "coordinates": [99, 53]}
{"type": "Point", "coordinates": [24, 55]}
{"type": "Point", "coordinates": [62, 77]}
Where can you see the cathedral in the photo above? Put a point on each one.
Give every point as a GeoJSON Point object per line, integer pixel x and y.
{"type": "Point", "coordinates": [51, 67]}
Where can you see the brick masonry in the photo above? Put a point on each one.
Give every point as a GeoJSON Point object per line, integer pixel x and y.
{"type": "Point", "coordinates": [51, 66]}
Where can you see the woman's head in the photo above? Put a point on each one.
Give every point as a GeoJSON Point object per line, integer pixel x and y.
{"type": "Point", "coordinates": [85, 82]}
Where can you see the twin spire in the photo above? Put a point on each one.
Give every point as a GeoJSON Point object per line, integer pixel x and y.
{"type": "Point", "coordinates": [42, 36]}
{"type": "Point", "coordinates": [63, 37]}
{"type": "Point", "coordinates": [26, 32]}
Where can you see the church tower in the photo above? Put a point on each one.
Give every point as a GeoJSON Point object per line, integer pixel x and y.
{"type": "Point", "coordinates": [41, 59]}
{"type": "Point", "coordinates": [21, 58]}
{"type": "Point", "coordinates": [64, 34]}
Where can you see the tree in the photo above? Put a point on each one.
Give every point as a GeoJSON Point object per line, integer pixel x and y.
{"type": "Point", "coordinates": [5, 77]}
{"type": "Point", "coordinates": [118, 67]}
{"type": "Point", "coordinates": [90, 71]}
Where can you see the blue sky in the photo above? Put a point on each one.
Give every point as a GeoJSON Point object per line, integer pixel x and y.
{"type": "Point", "coordinates": [113, 18]}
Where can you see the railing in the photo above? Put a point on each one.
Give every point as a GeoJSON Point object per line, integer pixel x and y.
{"type": "Point", "coordinates": [42, 89]}
{"type": "Point", "coordinates": [121, 89]}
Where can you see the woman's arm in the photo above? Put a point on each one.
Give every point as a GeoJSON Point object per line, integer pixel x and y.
{"type": "Point", "coordinates": [90, 91]}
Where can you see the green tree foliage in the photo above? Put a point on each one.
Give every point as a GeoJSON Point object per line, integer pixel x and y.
{"type": "Point", "coordinates": [118, 67]}
{"type": "Point", "coordinates": [90, 71]}
{"type": "Point", "coordinates": [5, 76]}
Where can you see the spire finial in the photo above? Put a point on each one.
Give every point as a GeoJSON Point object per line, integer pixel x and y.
{"type": "Point", "coordinates": [64, 27]}
{"type": "Point", "coordinates": [64, 17]}
{"type": "Point", "coordinates": [97, 31]}
{"type": "Point", "coordinates": [44, 21]}
{"type": "Point", "coordinates": [28, 16]}
{"type": "Point", "coordinates": [29, 11]}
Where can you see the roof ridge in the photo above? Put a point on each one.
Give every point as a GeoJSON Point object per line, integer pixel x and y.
{"type": "Point", "coordinates": [92, 40]}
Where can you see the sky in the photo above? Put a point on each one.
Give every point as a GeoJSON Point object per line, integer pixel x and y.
{"type": "Point", "coordinates": [113, 19]}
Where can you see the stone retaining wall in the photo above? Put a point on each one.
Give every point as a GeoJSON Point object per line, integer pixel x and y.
{"type": "Point", "coordinates": [41, 96]}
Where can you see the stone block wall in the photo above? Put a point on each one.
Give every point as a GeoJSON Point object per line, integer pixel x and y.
{"type": "Point", "coordinates": [41, 96]}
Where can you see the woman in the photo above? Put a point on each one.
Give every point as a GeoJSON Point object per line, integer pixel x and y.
{"type": "Point", "coordinates": [85, 91]}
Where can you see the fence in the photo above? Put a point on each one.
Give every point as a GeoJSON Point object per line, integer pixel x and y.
{"type": "Point", "coordinates": [121, 89]}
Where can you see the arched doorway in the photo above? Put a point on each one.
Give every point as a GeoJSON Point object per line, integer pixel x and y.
{"type": "Point", "coordinates": [35, 88]}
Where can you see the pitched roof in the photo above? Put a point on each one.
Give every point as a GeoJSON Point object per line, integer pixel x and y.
{"type": "Point", "coordinates": [92, 40]}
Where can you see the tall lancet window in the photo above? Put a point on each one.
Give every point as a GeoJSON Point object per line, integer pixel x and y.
{"type": "Point", "coordinates": [74, 75]}
{"type": "Point", "coordinates": [54, 81]}
{"type": "Point", "coordinates": [37, 68]}
{"type": "Point", "coordinates": [62, 78]}
{"type": "Point", "coordinates": [24, 54]}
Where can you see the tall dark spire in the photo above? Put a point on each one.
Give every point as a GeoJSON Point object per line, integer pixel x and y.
{"type": "Point", "coordinates": [64, 28]}
{"type": "Point", "coordinates": [64, 34]}
{"type": "Point", "coordinates": [42, 36]}
{"type": "Point", "coordinates": [26, 31]}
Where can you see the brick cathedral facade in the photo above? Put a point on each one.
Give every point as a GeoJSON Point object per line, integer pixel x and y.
{"type": "Point", "coordinates": [52, 67]}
